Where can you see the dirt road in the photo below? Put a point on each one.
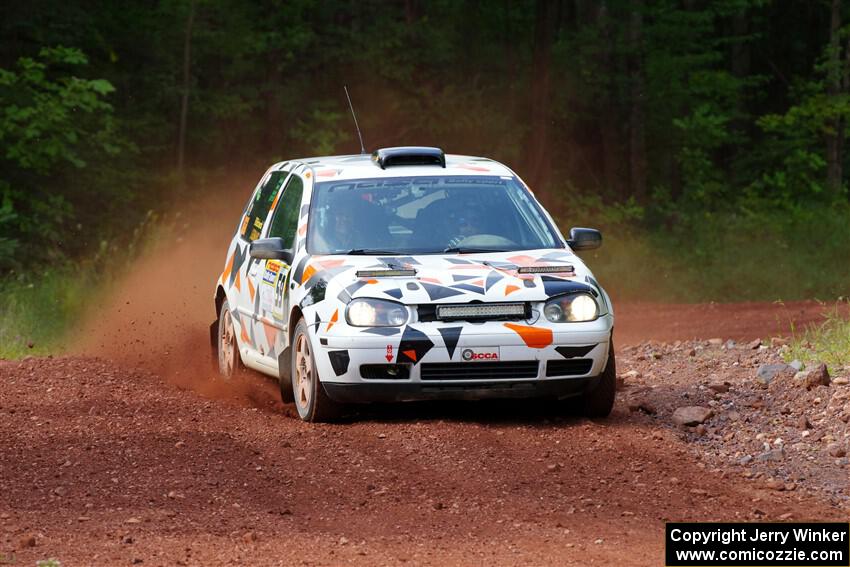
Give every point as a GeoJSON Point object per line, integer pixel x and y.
{"type": "Point", "coordinates": [103, 464]}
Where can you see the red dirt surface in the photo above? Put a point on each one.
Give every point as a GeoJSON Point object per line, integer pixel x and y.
{"type": "Point", "coordinates": [102, 465]}
{"type": "Point", "coordinates": [637, 322]}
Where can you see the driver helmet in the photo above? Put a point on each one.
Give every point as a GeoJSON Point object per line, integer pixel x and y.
{"type": "Point", "coordinates": [466, 217]}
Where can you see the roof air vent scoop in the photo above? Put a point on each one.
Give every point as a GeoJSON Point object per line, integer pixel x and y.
{"type": "Point", "coordinates": [408, 155]}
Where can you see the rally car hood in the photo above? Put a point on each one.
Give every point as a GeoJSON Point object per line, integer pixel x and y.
{"type": "Point", "coordinates": [528, 275]}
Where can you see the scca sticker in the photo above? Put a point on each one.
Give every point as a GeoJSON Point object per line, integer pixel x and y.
{"type": "Point", "coordinates": [272, 271]}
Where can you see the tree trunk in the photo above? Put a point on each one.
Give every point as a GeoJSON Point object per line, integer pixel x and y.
{"type": "Point", "coordinates": [538, 157]}
{"type": "Point", "coordinates": [613, 144]}
{"type": "Point", "coordinates": [835, 139]}
{"type": "Point", "coordinates": [274, 80]}
{"type": "Point", "coordinates": [637, 159]}
{"type": "Point", "coordinates": [741, 52]}
{"type": "Point", "coordinates": [845, 88]}
{"type": "Point", "coordinates": [184, 98]}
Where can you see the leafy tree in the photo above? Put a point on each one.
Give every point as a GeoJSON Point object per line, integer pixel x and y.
{"type": "Point", "coordinates": [51, 121]}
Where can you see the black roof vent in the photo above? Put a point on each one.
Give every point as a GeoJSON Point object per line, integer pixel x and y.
{"type": "Point", "coordinates": [408, 155]}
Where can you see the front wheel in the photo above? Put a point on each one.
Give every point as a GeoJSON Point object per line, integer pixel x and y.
{"type": "Point", "coordinates": [598, 401]}
{"type": "Point", "coordinates": [311, 401]}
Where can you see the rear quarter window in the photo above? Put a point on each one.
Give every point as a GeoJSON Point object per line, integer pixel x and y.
{"type": "Point", "coordinates": [260, 205]}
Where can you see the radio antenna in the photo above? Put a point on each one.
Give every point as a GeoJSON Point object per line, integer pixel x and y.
{"type": "Point", "coordinates": [351, 106]}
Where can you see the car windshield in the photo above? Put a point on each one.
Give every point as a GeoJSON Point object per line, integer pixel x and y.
{"type": "Point", "coordinates": [426, 215]}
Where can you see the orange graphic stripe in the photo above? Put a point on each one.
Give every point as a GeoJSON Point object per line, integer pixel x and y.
{"type": "Point", "coordinates": [244, 332]}
{"type": "Point", "coordinates": [534, 337]}
{"type": "Point", "coordinates": [308, 273]}
{"type": "Point", "coordinates": [227, 268]}
{"type": "Point", "coordinates": [251, 290]}
{"type": "Point", "coordinates": [334, 319]}
{"type": "Point", "coordinates": [271, 334]}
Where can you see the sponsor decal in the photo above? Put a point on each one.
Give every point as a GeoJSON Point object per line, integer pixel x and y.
{"type": "Point", "coordinates": [255, 234]}
{"type": "Point", "coordinates": [389, 355]}
{"type": "Point", "coordinates": [244, 228]}
{"type": "Point", "coordinates": [479, 354]}
{"type": "Point", "coordinates": [258, 223]}
{"type": "Point", "coordinates": [271, 273]}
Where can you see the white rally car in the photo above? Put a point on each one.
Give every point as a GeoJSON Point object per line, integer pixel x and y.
{"type": "Point", "coordinates": [406, 275]}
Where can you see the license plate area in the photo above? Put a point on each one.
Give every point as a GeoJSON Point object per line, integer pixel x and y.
{"type": "Point", "coordinates": [479, 354]}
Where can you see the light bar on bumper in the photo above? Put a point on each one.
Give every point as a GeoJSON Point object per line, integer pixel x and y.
{"type": "Point", "coordinates": [567, 269]}
{"type": "Point", "coordinates": [385, 273]}
{"type": "Point", "coordinates": [488, 311]}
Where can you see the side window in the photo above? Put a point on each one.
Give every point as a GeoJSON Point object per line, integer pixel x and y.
{"type": "Point", "coordinates": [258, 210]}
{"type": "Point", "coordinates": [285, 219]}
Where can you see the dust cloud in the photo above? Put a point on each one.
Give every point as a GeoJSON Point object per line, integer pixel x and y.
{"type": "Point", "coordinates": [157, 315]}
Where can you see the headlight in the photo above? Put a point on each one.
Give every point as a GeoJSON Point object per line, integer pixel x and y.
{"type": "Point", "coordinates": [375, 313]}
{"type": "Point", "coordinates": [571, 308]}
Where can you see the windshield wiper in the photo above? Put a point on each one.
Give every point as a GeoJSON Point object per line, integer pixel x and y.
{"type": "Point", "coordinates": [371, 252]}
{"type": "Point", "coordinates": [468, 250]}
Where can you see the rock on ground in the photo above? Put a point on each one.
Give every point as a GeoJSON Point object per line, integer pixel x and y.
{"type": "Point", "coordinates": [767, 373]}
{"type": "Point", "coordinates": [691, 415]}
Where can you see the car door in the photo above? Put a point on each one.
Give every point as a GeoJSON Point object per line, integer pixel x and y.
{"type": "Point", "coordinates": [252, 227]}
{"type": "Point", "coordinates": [268, 278]}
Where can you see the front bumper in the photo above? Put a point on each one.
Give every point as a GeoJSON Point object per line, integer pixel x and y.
{"type": "Point", "coordinates": [344, 355]}
{"type": "Point", "coordinates": [412, 391]}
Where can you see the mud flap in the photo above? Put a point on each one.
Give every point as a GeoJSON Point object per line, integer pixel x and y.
{"type": "Point", "coordinates": [284, 372]}
{"type": "Point", "coordinates": [214, 345]}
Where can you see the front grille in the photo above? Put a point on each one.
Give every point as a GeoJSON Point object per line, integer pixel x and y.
{"type": "Point", "coordinates": [572, 367]}
{"type": "Point", "coordinates": [479, 370]}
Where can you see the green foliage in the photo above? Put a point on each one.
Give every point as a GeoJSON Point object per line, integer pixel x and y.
{"type": "Point", "coordinates": [320, 131]}
{"type": "Point", "coordinates": [51, 121]}
{"type": "Point", "coordinates": [794, 147]}
{"type": "Point", "coordinates": [45, 119]}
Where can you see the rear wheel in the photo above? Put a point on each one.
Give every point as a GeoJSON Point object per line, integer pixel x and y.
{"type": "Point", "coordinates": [229, 362]}
{"type": "Point", "coordinates": [311, 401]}
{"type": "Point", "coordinates": [598, 401]}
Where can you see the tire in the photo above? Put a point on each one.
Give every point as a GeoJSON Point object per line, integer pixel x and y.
{"type": "Point", "coordinates": [229, 359]}
{"type": "Point", "coordinates": [311, 400]}
{"type": "Point", "coordinates": [598, 401]}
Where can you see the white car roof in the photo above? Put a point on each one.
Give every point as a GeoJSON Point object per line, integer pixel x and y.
{"type": "Point", "coordinates": [361, 166]}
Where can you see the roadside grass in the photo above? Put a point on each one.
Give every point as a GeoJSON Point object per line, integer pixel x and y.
{"type": "Point", "coordinates": [723, 257]}
{"type": "Point", "coordinates": [38, 310]}
{"type": "Point", "coordinates": [827, 342]}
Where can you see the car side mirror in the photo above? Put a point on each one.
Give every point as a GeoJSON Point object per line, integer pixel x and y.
{"type": "Point", "coordinates": [270, 249]}
{"type": "Point", "coordinates": [584, 238]}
